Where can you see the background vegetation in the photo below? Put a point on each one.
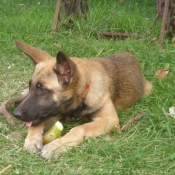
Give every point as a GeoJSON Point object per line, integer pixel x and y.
{"type": "Point", "coordinates": [148, 147]}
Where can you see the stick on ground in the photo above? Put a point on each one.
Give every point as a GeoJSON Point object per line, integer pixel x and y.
{"type": "Point", "coordinates": [7, 104]}
{"type": "Point", "coordinates": [127, 126]}
{"type": "Point", "coordinates": [116, 34]}
{"type": "Point", "coordinates": [5, 169]}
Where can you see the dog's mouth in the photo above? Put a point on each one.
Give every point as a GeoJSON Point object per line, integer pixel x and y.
{"type": "Point", "coordinates": [33, 123]}
{"type": "Point", "coordinates": [33, 119]}
{"type": "Point", "coordinates": [37, 120]}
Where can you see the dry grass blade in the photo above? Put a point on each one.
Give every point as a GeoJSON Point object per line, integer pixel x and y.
{"type": "Point", "coordinates": [127, 126]}
{"type": "Point", "coordinates": [5, 169]}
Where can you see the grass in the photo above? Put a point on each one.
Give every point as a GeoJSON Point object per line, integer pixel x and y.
{"type": "Point", "coordinates": [148, 147]}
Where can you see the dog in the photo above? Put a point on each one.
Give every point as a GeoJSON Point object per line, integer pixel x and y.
{"type": "Point", "coordinates": [77, 89]}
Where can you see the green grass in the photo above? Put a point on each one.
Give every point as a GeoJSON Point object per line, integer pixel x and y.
{"type": "Point", "coordinates": [148, 147]}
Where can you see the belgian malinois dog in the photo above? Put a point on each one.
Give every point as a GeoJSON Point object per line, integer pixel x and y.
{"type": "Point", "coordinates": [77, 89]}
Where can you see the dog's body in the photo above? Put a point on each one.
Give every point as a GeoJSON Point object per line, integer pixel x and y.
{"type": "Point", "coordinates": [77, 89]}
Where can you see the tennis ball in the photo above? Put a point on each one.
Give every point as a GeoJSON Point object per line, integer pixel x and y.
{"type": "Point", "coordinates": [53, 133]}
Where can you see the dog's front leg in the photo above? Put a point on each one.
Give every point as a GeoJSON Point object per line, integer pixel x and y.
{"type": "Point", "coordinates": [34, 140]}
{"type": "Point", "coordinates": [103, 122]}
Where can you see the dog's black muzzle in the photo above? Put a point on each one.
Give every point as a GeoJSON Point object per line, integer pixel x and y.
{"type": "Point", "coordinates": [20, 115]}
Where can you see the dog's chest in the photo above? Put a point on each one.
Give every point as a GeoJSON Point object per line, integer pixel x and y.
{"type": "Point", "coordinates": [80, 112]}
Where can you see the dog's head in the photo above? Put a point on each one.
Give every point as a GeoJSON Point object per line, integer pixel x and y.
{"type": "Point", "coordinates": [50, 88]}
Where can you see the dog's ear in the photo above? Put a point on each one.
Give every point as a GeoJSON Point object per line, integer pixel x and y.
{"type": "Point", "coordinates": [64, 68]}
{"type": "Point", "coordinates": [36, 55]}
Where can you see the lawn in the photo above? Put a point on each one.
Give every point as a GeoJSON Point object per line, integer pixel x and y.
{"type": "Point", "coordinates": [148, 147]}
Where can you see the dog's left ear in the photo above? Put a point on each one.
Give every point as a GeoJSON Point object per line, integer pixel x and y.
{"type": "Point", "coordinates": [64, 68]}
{"type": "Point", "coordinates": [36, 55]}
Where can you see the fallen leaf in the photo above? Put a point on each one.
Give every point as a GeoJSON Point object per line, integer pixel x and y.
{"type": "Point", "coordinates": [173, 39]}
{"type": "Point", "coordinates": [172, 112]}
{"type": "Point", "coordinates": [155, 39]}
{"type": "Point", "coordinates": [130, 50]}
{"type": "Point", "coordinates": [57, 45]}
{"type": "Point", "coordinates": [21, 5]}
{"type": "Point", "coordinates": [161, 73]}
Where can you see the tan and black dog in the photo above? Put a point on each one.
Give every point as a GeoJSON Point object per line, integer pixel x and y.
{"type": "Point", "coordinates": [65, 87]}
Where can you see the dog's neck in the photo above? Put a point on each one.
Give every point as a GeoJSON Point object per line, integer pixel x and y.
{"type": "Point", "coordinates": [86, 90]}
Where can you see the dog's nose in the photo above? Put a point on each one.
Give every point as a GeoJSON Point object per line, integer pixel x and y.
{"type": "Point", "coordinates": [18, 114]}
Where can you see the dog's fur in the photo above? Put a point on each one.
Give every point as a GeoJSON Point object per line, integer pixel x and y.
{"type": "Point", "coordinates": [76, 89]}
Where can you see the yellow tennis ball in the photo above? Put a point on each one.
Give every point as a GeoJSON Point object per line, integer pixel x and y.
{"type": "Point", "coordinates": [53, 133]}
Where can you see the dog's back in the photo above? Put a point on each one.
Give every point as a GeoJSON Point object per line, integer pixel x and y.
{"type": "Point", "coordinates": [127, 82]}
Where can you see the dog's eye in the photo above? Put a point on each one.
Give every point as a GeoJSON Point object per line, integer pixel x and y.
{"type": "Point", "coordinates": [41, 90]}
{"type": "Point", "coordinates": [38, 85]}
{"type": "Point", "coordinates": [44, 91]}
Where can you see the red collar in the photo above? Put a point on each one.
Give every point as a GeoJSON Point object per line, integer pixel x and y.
{"type": "Point", "coordinates": [85, 92]}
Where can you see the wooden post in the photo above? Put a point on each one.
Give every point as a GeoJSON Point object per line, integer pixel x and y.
{"type": "Point", "coordinates": [165, 9]}
{"type": "Point", "coordinates": [69, 8]}
{"type": "Point", "coordinates": [163, 29]}
{"type": "Point", "coordinates": [56, 15]}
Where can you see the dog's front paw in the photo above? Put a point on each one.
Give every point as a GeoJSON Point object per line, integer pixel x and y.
{"type": "Point", "coordinates": [54, 149]}
{"type": "Point", "coordinates": [34, 144]}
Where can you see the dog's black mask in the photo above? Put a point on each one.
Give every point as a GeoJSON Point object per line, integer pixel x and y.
{"type": "Point", "coordinates": [36, 107]}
